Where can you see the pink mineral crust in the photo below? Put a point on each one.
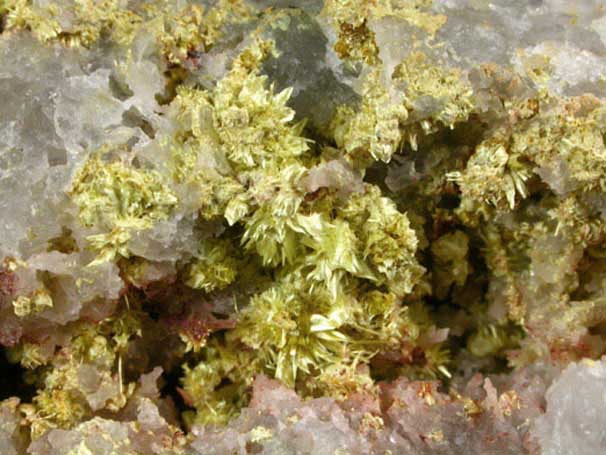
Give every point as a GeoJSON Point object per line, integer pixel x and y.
{"type": "Point", "coordinates": [489, 416]}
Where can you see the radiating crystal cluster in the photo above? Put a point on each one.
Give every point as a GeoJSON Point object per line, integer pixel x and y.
{"type": "Point", "coordinates": [303, 227]}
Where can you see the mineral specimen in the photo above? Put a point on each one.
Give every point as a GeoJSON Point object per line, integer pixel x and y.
{"type": "Point", "coordinates": [574, 421]}
{"type": "Point", "coordinates": [303, 227]}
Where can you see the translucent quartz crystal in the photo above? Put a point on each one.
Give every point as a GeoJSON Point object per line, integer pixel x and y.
{"type": "Point", "coordinates": [523, 33]}
{"type": "Point", "coordinates": [13, 441]}
{"type": "Point", "coordinates": [575, 419]}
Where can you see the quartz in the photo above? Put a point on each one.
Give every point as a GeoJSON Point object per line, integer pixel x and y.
{"type": "Point", "coordinates": [574, 421]}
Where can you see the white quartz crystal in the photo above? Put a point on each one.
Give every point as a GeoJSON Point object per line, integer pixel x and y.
{"type": "Point", "coordinates": [575, 420]}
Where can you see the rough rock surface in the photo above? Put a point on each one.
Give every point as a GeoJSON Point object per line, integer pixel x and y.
{"type": "Point", "coordinates": [574, 419]}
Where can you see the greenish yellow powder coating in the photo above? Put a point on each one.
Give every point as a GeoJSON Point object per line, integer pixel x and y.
{"type": "Point", "coordinates": [320, 310]}
{"type": "Point", "coordinates": [177, 29]}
